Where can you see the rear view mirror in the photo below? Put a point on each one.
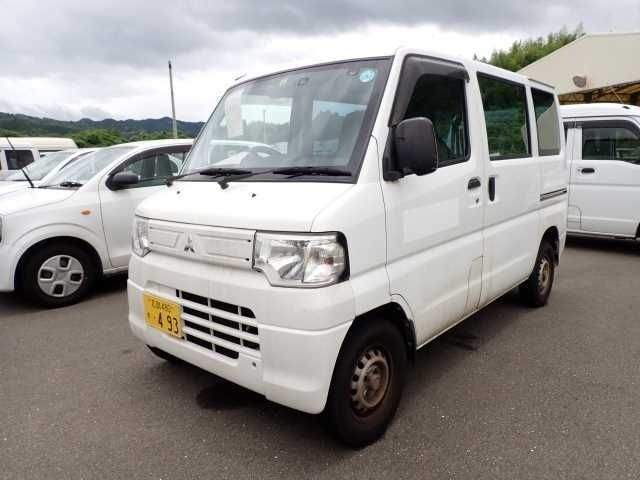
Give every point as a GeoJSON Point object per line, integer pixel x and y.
{"type": "Point", "coordinates": [416, 146]}
{"type": "Point", "coordinates": [123, 179]}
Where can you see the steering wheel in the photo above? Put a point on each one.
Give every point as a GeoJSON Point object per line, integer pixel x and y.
{"type": "Point", "coordinates": [270, 151]}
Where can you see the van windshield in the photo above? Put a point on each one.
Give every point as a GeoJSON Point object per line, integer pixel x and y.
{"type": "Point", "coordinates": [85, 169]}
{"type": "Point", "coordinates": [315, 119]}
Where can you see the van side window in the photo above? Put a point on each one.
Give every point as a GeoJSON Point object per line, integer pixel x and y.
{"type": "Point", "coordinates": [615, 141]}
{"type": "Point", "coordinates": [442, 100]}
{"type": "Point", "coordinates": [505, 114]}
{"type": "Point", "coordinates": [547, 122]}
{"type": "Point", "coordinates": [17, 159]}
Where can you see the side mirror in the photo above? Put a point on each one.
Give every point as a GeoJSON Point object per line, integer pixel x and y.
{"type": "Point", "coordinates": [123, 179]}
{"type": "Point", "coordinates": [416, 146]}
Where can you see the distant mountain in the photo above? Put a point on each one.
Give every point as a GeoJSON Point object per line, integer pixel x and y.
{"type": "Point", "coordinates": [34, 126]}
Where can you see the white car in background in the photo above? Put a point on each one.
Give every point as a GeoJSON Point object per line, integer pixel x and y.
{"type": "Point", "coordinates": [603, 150]}
{"type": "Point", "coordinates": [57, 239]}
{"type": "Point", "coordinates": [40, 170]}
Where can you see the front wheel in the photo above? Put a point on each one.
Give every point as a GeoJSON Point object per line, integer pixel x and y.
{"type": "Point", "coordinates": [57, 275]}
{"type": "Point", "coordinates": [367, 383]}
{"type": "Point", "coordinates": [536, 289]}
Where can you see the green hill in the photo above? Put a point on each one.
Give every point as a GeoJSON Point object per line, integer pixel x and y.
{"type": "Point", "coordinates": [88, 132]}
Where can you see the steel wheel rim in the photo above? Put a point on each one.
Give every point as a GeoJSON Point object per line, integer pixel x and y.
{"type": "Point", "coordinates": [60, 276]}
{"type": "Point", "coordinates": [370, 381]}
{"type": "Point", "coordinates": [544, 275]}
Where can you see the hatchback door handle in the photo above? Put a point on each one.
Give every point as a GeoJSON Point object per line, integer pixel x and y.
{"type": "Point", "coordinates": [588, 170]}
{"type": "Point", "coordinates": [492, 188]}
{"type": "Point", "coordinates": [474, 183]}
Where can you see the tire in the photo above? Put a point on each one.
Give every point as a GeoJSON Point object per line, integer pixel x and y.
{"type": "Point", "coordinates": [536, 290]}
{"type": "Point", "coordinates": [57, 275]}
{"type": "Point", "coordinates": [164, 355]}
{"type": "Point", "coordinates": [373, 351]}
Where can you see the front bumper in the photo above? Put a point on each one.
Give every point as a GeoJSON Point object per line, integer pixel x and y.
{"type": "Point", "coordinates": [291, 365]}
{"type": "Point", "coordinates": [6, 270]}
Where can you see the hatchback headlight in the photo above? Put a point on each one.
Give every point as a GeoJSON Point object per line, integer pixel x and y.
{"type": "Point", "coordinates": [300, 260]}
{"type": "Point", "coordinates": [140, 236]}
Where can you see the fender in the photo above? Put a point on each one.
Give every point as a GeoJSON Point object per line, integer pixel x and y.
{"type": "Point", "coordinates": [36, 235]}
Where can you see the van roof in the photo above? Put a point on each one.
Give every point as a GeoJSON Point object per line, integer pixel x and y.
{"type": "Point", "coordinates": [45, 143]}
{"type": "Point", "coordinates": [473, 65]}
{"type": "Point", "coordinates": [598, 110]}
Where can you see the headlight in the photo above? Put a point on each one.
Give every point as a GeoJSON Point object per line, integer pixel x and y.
{"type": "Point", "coordinates": [140, 236]}
{"type": "Point", "coordinates": [300, 260]}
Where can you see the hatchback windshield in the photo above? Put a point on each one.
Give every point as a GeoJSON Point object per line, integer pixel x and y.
{"type": "Point", "coordinates": [317, 118]}
{"type": "Point", "coordinates": [79, 173]}
{"type": "Point", "coordinates": [38, 169]}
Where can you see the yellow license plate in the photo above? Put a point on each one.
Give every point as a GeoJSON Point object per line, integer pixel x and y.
{"type": "Point", "coordinates": [163, 315]}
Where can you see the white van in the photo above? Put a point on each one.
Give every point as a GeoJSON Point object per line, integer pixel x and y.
{"type": "Point", "coordinates": [406, 192]}
{"type": "Point", "coordinates": [603, 150]}
{"type": "Point", "coordinates": [58, 238]}
{"type": "Point", "coordinates": [16, 153]}
{"type": "Point", "coordinates": [50, 144]}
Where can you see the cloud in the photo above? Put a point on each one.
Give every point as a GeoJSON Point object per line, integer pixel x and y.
{"type": "Point", "coordinates": [81, 57]}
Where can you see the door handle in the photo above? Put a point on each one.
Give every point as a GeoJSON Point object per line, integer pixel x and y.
{"type": "Point", "coordinates": [588, 170]}
{"type": "Point", "coordinates": [492, 188]}
{"type": "Point", "coordinates": [474, 183]}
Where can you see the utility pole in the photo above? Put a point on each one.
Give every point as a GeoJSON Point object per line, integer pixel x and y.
{"type": "Point", "coordinates": [173, 103]}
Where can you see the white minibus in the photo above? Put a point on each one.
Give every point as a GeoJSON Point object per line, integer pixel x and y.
{"type": "Point", "coordinates": [389, 198]}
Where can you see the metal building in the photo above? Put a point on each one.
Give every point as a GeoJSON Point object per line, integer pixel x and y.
{"type": "Point", "coordinates": [603, 67]}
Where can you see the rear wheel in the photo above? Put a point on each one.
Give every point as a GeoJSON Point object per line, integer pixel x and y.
{"type": "Point", "coordinates": [367, 383]}
{"type": "Point", "coordinates": [57, 275]}
{"type": "Point", "coordinates": [536, 290]}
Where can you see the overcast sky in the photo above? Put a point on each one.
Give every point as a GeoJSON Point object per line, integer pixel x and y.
{"type": "Point", "coordinates": [83, 58]}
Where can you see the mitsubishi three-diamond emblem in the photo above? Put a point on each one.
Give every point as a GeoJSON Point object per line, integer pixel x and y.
{"type": "Point", "coordinates": [188, 247]}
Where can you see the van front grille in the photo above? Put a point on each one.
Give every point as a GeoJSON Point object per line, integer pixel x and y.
{"type": "Point", "coordinates": [222, 327]}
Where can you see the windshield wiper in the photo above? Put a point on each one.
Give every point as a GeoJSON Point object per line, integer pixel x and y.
{"type": "Point", "coordinates": [312, 170]}
{"type": "Point", "coordinates": [209, 171]}
{"type": "Point", "coordinates": [67, 184]}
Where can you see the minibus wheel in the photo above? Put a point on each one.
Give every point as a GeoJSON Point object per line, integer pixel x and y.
{"type": "Point", "coordinates": [57, 275]}
{"type": "Point", "coordinates": [367, 383]}
{"type": "Point", "coordinates": [536, 290]}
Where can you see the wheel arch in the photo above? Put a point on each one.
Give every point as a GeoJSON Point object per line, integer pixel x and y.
{"type": "Point", "coordinates": [67, 240]}
{"type": "Point", "coordinates": [395, 314]}
{"type": "Point", "coordinates": [552, 235]}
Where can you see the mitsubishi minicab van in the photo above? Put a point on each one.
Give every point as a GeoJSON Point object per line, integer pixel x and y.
{"type": "Point", "coordinates": [603, 150]}
{"type": "Point", "coordinates": [389, 198]}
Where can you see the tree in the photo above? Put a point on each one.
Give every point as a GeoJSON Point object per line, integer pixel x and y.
{"type": "Point", "coordinates": [524, 52]}
{"type": "Point", "coordinates": [99, 137]}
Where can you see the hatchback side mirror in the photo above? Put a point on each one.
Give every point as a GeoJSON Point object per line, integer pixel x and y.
{"type": "Point", "coordinates": [416, 146]}
{"type": "Point", "coordinates": [123, 179]}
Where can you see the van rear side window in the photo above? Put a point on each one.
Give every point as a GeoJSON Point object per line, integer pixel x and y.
{"type": "Point", "coordinates": [441, 99]}
{"type": "Point", "coordinates": [546, 122]}
{"type": "Point", "coordinates": [505, 113]}
{"type": "Point", "coordinates": [17, 159]}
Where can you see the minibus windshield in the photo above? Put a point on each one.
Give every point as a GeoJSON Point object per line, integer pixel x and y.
{"type": "Point", "coordinates": [308, 124]}
{"type": "Point", "coordinates": [83, 170]}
